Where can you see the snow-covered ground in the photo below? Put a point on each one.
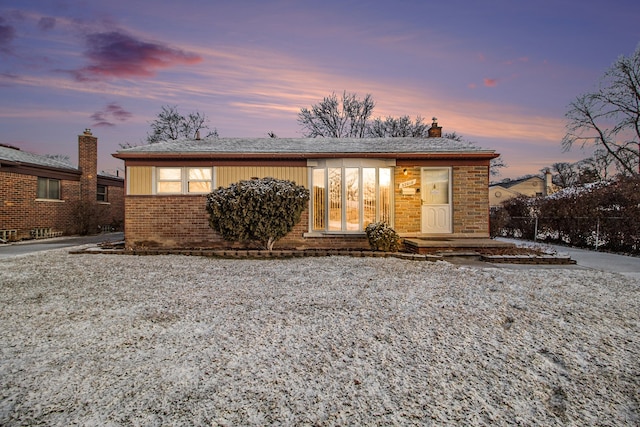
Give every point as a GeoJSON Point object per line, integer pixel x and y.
{"type": "Point", "coordinates": [174, 340]}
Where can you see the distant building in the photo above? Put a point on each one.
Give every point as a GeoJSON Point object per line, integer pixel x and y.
{"type": "Point", "coordinates": [534, 186]}
{"type": "Point", "coordinates": [44, 197]}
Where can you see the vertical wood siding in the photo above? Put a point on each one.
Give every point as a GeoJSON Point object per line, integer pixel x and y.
{"type": "Point", "coordinates": [226, 175]}
{"type": "Point", "coordinates": [139, 180]}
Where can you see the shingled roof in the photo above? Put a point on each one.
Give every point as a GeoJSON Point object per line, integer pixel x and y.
{"type": "Point", "coordinates": [13, 155]}
{"type": "Point", "coordinates": [304, 147]}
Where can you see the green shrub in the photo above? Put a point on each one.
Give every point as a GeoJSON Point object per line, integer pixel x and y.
{"type": "Point", "coordinates": [382, 237]}
{"type": "Point", "coordinates": [261, 210]}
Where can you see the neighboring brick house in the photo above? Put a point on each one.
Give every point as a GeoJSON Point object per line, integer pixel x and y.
{"type": "Point", "coordinates": [533, 186]}
{"type": "Point", "coordinates": [43, 197]}
{"type": "Point", "coordinates": [423, 187]}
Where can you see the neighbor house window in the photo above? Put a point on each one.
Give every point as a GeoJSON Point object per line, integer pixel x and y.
{"type": "Point", "coordinates": [187, 180]}
{"type": "Point", "coordinates": [102, 193]}
{"type": "Point", "coordinates": [347, 198]}
{"type": "Point", "coordinates": [48, 188]}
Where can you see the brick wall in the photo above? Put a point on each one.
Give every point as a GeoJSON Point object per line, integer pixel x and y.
{"type": "Point", "coordinates": [183, 222]}
{"type": "Point", "coordinates": [471, 201]}
{"type": "Point", "coordinates": [19, 209]}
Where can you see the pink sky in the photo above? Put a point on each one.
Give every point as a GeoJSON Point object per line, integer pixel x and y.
{"type": "Point", "coordinates": [500, 73]}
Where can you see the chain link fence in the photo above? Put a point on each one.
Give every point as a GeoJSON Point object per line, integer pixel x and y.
{"type": "Point", "coordinates": [613, 233]}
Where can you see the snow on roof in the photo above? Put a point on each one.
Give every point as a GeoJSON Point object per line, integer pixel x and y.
{"type": "Point", "coordinates": [16, 155]}
{"type": "Point", "coordinates": [309, 145]}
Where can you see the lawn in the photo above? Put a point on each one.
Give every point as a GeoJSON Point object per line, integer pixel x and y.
{"type": "Point", "coordinates": [176, 340]}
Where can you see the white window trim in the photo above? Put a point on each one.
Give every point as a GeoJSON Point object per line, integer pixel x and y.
{"type": "Point", "coordinates": [345, 164]}
{"type": "Point", "coordinates": [184, 180]}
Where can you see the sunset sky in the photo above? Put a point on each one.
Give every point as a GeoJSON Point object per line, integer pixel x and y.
{"type": "Point", "coordinates": [498, 72]}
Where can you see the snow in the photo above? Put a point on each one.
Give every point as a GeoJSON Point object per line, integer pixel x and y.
{"type": "Point", "coordinates": [175, 340]}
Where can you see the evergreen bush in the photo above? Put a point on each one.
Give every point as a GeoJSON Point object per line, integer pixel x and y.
{"type": "Point", "coordinates": [382, 237]}
{"type": "Point", "coordinates": [261, 210]}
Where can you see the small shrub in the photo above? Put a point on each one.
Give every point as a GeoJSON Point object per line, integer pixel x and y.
{"type": "Point", "coordinates": [382, 237]}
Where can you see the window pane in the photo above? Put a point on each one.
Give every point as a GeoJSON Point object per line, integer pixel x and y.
{"type": "Point", "coordinates": [169, 187]}
{"type": "Point", "coordinates": [385, 194]}
{"type": "Point", "coordinates": [42, 188]}
{"type": "Point", "coordinates": [319, 201]}
{"type": "Point", "coordinates": [169, 174]}
{"type": "Point", "coordinates": [54, 189]}
{"type": "Point", "coordinates": [352, 193]}
{"type": "Point", "coordinates": [437, 186]}
{"type": "Point", "coordinates": [335, 198]}
{"type": "Point", "coordinates": [199, 187]}
{"type": "Point", "coordinates": [368, 195]}
{"type": "Point", "coordinates": [201, 174]}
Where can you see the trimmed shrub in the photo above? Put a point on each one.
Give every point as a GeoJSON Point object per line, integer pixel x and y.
{"type": "Point", "coordinates": [382, 237]}
{"type": "Point", "coordinates": [261, 210]}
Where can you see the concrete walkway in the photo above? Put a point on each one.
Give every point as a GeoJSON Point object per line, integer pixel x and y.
{"type": "Point", "coordinates": [604, 261]}
{"type": "Point", "coordinates": [30, 246]}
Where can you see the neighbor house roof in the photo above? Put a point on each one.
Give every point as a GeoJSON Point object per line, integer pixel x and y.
{"type": "Point", "coordinates": [305, 148]}
{"type": "Point", "coordinates": [15, 156]}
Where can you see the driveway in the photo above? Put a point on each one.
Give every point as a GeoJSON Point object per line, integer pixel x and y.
{"type": "Point", "coordinates": [30, 246]}
{"type": "Point", "coordinates": [604, 261]}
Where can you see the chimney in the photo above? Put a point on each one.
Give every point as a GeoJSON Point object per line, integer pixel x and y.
{"type": "Point", "coordinates": [197, 135]}
{"type": "Point", "coordinates": [88, 165]}
{"type": "Point", "coordinates": [435, 131]}
{"type": "Point", "coordinates": [548, 183]}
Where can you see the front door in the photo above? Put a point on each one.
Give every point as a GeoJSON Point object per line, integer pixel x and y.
{"type": "Point", "coordinates": [436, 200]}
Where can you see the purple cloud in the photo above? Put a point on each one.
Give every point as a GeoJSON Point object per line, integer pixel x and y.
{"type": "Point", "coordinates": [46, 23]}
{"type": "Point", "coordinates": [110, 113]}
{"type": "Point", "coordinates": [7, 34]}
{"type": "Point", "coordinates": [115, 54]}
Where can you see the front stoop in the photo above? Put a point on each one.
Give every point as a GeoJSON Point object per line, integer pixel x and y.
{"type": "Point", "coordinates": [432, 246]}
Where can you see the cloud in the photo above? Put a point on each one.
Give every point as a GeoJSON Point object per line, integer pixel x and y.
{"type": "Point", "coordinates": [7, 34]}
{"type": "Point", "coordinates": [47, 23]}
{"type": "Point", "coordinates": [115, 54]}
{"type": "Point", "coordinates": [111, 112]}
{"type": "Point", "coordinates": [490, 82]}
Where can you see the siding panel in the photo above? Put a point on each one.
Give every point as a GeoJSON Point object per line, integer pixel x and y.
{"type": "Point", "coordinates": [226, 175]}
{"type": "Point", "coordinates": [139, 180]}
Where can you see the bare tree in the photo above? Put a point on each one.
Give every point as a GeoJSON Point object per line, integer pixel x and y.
{"type": "Point", "coordinates": [398, 127]}
{"type": "Point", "coordinates": [345, 118]}
{"type": "Point", "coordinates": [171, 125]}
{"type": "Point", "coordinates": [609, 118]}
{"type": "Point", "coordinates": [565, 174]}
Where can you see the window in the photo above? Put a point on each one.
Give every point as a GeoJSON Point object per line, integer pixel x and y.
{"type": "Point", "coordinates": [48, 188]}
{"type": "Point", "coordinates": [186, 180]}
{"type": "Point", "coordinates": [102, 193]}
{"type": "Point", "coordinates": [350, 198]}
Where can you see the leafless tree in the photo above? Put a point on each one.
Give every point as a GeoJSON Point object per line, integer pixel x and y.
{"type": "Point", "coordinates": [344, 118]}
{"type": "Point", "coordinates": [609, 118]}
{"type": "Point", "coordinates": [398, 127]}
{"type": "Point", "coordinates": [171, 125]}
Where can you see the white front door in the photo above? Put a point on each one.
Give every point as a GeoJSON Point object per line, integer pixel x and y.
{"type": "Point", "coordinates": [436, 200]}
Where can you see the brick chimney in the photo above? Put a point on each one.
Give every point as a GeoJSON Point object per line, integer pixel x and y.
{"type": "Point", "coordinates": [88, 165]}
{"type": "Point", "coordinates": [435, 131]}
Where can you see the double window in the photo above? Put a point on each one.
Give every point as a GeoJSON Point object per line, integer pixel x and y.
{"type": "Point", "coordinates": [48, 188]}
{"type": "Point", "coordinates": [351, 195]}
{"type": "Point", "coordinates": [186, 180]}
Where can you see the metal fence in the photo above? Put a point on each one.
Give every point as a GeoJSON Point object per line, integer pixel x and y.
{"type": "Point", "coordinates": [616, 233]}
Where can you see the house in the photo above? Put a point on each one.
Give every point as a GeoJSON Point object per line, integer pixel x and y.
{"type": "Point", "coordinates": [423, 187]}
{"type": "Point", "coordinates": [534, 186]}
{"type": "Point", "coordinates": [43, 197]}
